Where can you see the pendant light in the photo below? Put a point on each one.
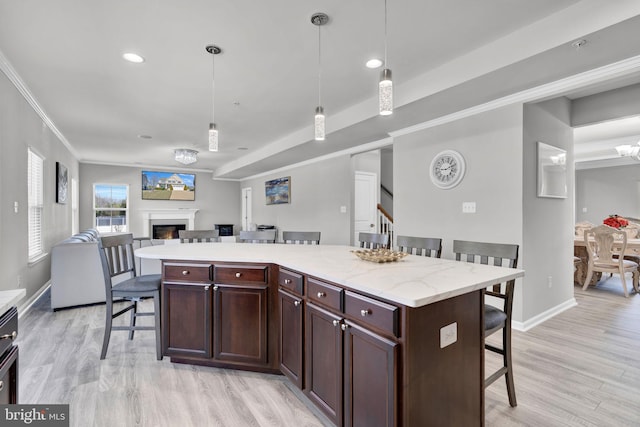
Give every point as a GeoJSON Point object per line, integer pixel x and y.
{"type": "Point", "coordinates": [213, 131]}
{"type": "Point", "coordinates": [319, 19]}
{"type": "Point", "coordinates": [385, 87]}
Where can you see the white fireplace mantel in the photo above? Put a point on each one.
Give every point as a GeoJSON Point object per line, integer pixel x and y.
{"type": "Point", "coordinates": [149, 215]}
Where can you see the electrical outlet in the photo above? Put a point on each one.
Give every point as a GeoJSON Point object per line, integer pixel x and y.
{"type": "Point", "coordinates": [343, 209]}
{"type": "Point", "coordinates": [468, 207]}
{"type": "Point", "coordinates": [19, 281]}
{"type": "Point", "coordinates": [584, 210]}
{"type": "Point", "coordinates": [15, 207]}
{"type": "Point", "coordinates": [448, 334]}
{"type": "Point", "coordinates": [549, 282]}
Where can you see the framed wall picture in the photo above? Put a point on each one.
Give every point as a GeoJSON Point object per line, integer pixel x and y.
{"type": "Point", "coordinates": [552, 171]}
{"type": "Point", "coordinates": [168, 186]}
{"type": "Point", "coordinates": [62, 183]}
{"type": "Point", "coordinates": [278, 191]}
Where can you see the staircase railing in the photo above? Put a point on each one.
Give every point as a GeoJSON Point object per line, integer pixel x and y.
{"type": "Point", "coordinates": [385, 224]}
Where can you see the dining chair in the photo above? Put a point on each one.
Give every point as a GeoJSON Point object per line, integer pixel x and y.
{"type": "Point", "coordinates": [117, 258]}
{"type": "Point", "coordinates": [258, 236]}
{"type": "Point", "coordinates": [429, 246]}
{"type": "Point", "coordinates": [301, 237]}
{"type": "Point", "coordinates": [605, 249]}
{"type": "Point", "coordinates": [495, 319]}
{"type": "Point", "coordinates": [373, 240]}
{"type": "Point", "coordinates": [198, 236]}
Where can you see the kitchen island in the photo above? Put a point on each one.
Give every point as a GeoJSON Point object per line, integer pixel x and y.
{"type": "Point", "coordinates": [369, 344]}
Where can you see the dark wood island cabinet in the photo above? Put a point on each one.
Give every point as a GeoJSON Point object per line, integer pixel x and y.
{"type": "Point", "coordinates": [363, 358]}
{"type": "Point", "coordinates": [8, 357]}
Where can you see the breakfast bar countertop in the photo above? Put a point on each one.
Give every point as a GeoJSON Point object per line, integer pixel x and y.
{"type": "Point", "coordinates": [10, 298]}
{"type": "Point", "coordinates": [413, 281]}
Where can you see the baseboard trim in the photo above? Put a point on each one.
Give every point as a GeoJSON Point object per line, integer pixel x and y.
{"type": "Point", "coordinates": [544, 316]}
{"type": "Point", "coordinates": [24, 308]}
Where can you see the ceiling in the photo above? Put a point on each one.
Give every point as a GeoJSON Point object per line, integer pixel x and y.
{"type": "Point", "coordinates": [67, 57]}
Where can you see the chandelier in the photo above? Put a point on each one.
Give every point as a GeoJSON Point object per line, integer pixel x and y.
{"type": "Point", "coordinates": [186, 156]}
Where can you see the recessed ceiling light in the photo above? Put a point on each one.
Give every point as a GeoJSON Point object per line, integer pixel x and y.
{"type": "Point", "coordinates": [145, 136]}
{"type": "Point", "coordinates": [374, 63]}
{"type": "Point", "coordinates": [133, 57]}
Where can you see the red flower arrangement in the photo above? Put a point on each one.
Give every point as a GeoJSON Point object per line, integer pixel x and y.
{"type": "Point", "coordinates": [616, 221]}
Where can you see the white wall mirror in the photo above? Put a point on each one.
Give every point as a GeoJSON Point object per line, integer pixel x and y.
{"type": "Point", "coordinates": [552, 171]}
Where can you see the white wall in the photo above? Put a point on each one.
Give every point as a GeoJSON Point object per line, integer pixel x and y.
{"type": "Point", "coordinates": [491, 144]}
{"type": "Point", "coordinates": [548, 223]}
{"type": "Point", "coordinates": [21, 128]}
{"type": "Point", "coordinates": [607, 191]}
{"type": "Point", "coordinates": [218, 201]}
{"type": "Point", "coordinates": [318, 190]}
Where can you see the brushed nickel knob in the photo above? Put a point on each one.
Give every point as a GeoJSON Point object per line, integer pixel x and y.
{"type": "Point", "coordinates": [206, 288]}
{"type": "Point", "coordinates": [215, 288]}
{"type": "Point", "coordinates": [296, 303]}
{"type": "Point", "coordinates": [11, 336]}
{"type": "Point", "coordinates": [321, 295]}
{"type": "Point", "coordinates": [336, 323]}
{"type": "Point", "coordinates": [1, 385]}
{"type": "Point", "coordinates": [287, 281]}
{"type": "Point", "coordinates": [238, 274]}
{"type": "Point", "coordinates": [344, 326]}
{"type": "Point", "coordinates": [185, 272]}
{"type": "Point", "coordinates": [365, 313]}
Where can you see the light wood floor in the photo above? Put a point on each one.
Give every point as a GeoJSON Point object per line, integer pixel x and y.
{"type": "Point", "coordinates": [581, 368]}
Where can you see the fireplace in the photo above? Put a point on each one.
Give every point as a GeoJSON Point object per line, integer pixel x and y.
{"type": "Point", "coordinates": [151, 217]}
{"type": "Point", "coordinates": [167, 231]}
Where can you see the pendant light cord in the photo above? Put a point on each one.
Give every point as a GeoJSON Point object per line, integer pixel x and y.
{"type": "Point", "coordinates": [213, 86]}
{"type": "Point", "coordinates": [319, 67]}
{"type": "Point", "coordinates": [385, 34]}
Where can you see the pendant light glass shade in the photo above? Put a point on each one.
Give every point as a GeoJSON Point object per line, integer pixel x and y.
{"type": "Point", "coordinates": [385, 93]}
{"type": "Point", "coordinates": [213, 137]}
{"type": "Point", "coordinates": [319, 124]}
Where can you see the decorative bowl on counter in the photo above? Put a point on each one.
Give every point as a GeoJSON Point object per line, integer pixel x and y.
{"type": "Point", "coordinates": [379, 255]}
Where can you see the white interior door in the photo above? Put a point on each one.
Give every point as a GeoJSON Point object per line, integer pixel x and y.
{"type": "Point", "coordinates": [365, 203]}
{"type": "Point", "coordinates": [246, 208]}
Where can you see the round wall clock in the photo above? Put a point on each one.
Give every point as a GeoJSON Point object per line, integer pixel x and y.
{"type": "Point", "coordinates": [447, 169]}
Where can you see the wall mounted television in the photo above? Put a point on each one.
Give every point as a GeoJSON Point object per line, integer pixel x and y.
{"type": "Point", "coordinates": [168, 186]}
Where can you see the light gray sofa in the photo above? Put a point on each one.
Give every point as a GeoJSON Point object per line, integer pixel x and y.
{"type": "Point", "coordinates": [76, 271]}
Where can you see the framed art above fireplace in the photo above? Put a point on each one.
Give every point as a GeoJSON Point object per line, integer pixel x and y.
{"type": "Point", "coordinates": [168, 186]}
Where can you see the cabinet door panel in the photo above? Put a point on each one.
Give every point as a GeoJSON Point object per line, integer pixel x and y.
{"type": "Point", "coordinates": [186, 323]}
{"type": "Point", "coordinates": [240, 324]}
{"type": "Point", "coordinates": [370, 378]}
{"type": "Point", "coordinates": [291, 342]}
{"type": "Point", "coordinates": [9, 377]}
{"type": "Point", "coordinates": [323, 361]}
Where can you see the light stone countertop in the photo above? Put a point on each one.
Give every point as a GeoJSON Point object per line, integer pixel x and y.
{"type": "Point", "coordinates": [413, 281]}
{"type": "Point", "coordinates": [10, 298]}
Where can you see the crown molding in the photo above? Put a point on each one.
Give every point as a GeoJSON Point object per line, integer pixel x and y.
{"type": "Point", "coordinates": [24, 90]}
{"type": "Point", "coordinates": [555, 88]}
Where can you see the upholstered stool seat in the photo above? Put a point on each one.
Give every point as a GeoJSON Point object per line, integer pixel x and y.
{"type": "Point", "coordinates": [493, 317]}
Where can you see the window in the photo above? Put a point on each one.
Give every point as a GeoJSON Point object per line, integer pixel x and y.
{"type": "Point", "coordinates": [111, 207]}
{"type": "Point", "coordinates": [35, 166]}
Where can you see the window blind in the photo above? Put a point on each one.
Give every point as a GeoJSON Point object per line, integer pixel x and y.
{"type": "Point", "coordinates": [35, 170]}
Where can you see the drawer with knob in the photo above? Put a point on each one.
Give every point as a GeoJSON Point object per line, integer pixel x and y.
{"type": "Point", "coordinates": [324, 293]}
{"type": "Point", "coordinates": [291, 281]}
{"type": "Point", "coordinates": [372, 312]}
{"type": "Point", "coordinates": [8, 329]}
{"type": "Point", "coordinates": [241, 274]}
{"type": "Point", "coordinates": [187, 272]}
